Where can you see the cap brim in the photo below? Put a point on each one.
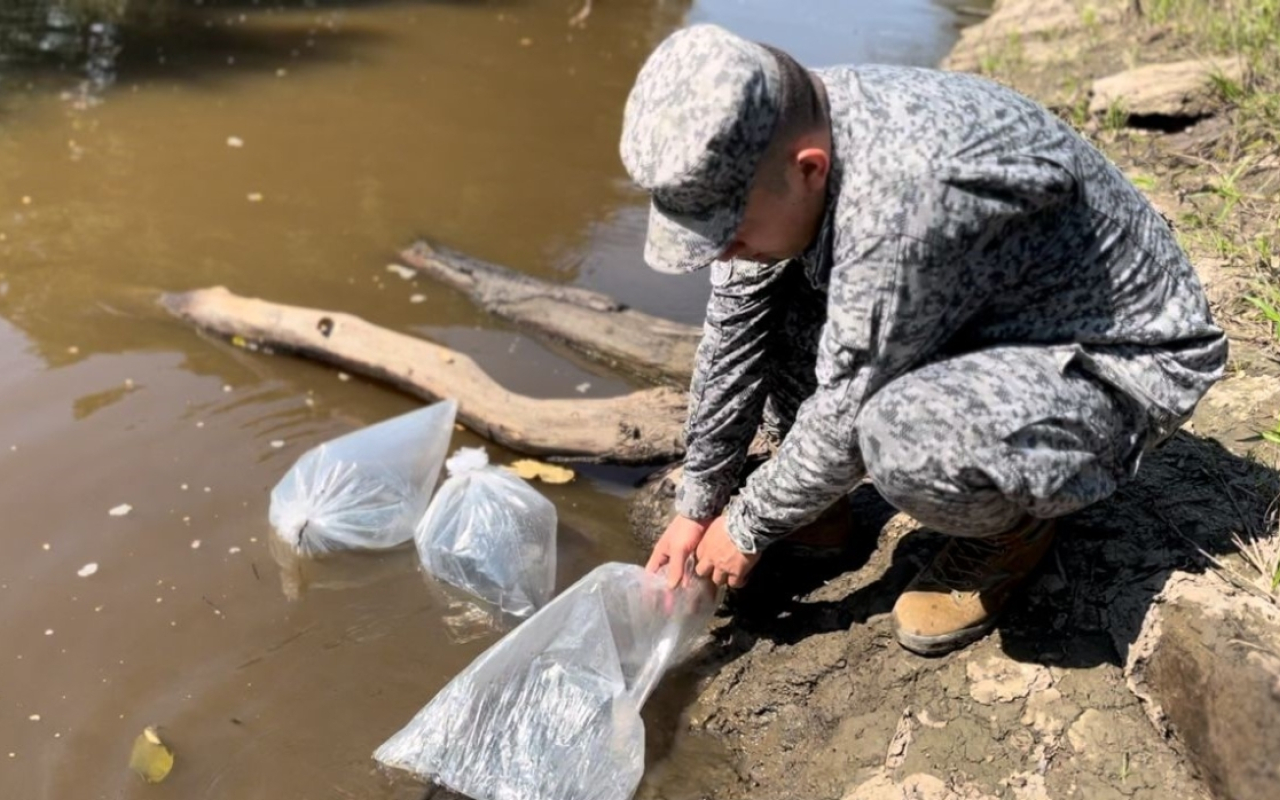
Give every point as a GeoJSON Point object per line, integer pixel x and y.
{"type": "Point", "coordinates": [679, 245]}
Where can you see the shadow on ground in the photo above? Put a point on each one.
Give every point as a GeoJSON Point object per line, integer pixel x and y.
{"type": "Point", "coordinates": [804, 678]}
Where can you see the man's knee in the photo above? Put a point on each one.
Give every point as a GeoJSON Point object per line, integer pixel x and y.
{"type": "Point", "coordinates": [922, 460]}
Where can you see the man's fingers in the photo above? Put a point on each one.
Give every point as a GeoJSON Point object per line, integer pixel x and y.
{"type": "Point", "coordinates": [736, 581]}
{"type": "Point", "coordinates": [656, 560]}
{"type": "Point", "coordinates": [675, 572]}
{"type": "Point", "coordinates": [704, 568]}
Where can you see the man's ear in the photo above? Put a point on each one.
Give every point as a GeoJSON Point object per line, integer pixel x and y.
{"type": "Point", "coordinates": [815, 165]}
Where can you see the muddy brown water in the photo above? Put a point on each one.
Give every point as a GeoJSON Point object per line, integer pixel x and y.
{"type": "Point", "coordinates": [491, 126]}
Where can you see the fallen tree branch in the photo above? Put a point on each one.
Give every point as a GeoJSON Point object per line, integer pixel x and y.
{"type": "Point", "coordinates": [639, 428]}
{"type": "Point", "coordinates": [592, 323]}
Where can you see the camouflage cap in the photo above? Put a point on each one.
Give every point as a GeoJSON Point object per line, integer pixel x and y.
{"type": "Point", "coordinates": [698, 119]}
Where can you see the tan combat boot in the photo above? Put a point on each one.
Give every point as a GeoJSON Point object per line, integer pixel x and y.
{"type": "Point", "coordinates": [957, 598]}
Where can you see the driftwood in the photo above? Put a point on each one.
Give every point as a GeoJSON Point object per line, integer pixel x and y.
{"type": "Point", "coordinates": [596, 325]}
{"type": "Point", "coordinates": [643, 427]}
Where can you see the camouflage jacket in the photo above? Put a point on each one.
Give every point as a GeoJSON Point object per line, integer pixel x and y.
{"type": "Point", "coordinates": [961, 215]}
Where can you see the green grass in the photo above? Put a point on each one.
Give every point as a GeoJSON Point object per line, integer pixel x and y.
{"type": "Point", "coordinates": [1116, 117]}
{"type": "Point", "coordinates": [1238, 213]}
{"type": "Point", "coordinates": [1267, 300]}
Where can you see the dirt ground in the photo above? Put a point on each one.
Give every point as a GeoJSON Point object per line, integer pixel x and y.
{"type": "Point", "coordinates": [1095, 685]}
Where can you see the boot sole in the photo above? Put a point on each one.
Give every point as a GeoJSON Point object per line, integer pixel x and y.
{"type": "Point", "coordinates": [943, 643]}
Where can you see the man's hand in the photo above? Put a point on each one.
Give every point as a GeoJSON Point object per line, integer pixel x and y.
{"type": "Point", "coordinates": [720, 559]}
{"type": "Point", "coordinates": [678, 542]}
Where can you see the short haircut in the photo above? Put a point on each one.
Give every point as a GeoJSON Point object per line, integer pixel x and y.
{"type": "Point", "coordinates": [801, 111]}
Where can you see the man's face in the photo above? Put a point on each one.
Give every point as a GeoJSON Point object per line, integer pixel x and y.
{"type": "Point", "coordinates": [784, 211]}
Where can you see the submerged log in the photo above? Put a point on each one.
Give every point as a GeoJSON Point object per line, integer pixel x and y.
{"type": "Point", "coordinates": [596, 325]}
{"type": "Point", "coordinates": [643, 427]}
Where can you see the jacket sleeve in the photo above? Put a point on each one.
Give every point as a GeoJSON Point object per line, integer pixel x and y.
{"type": "Point", "coordinates": [727, 394]}
{"type": "Point", "coordinates": [894, 300]}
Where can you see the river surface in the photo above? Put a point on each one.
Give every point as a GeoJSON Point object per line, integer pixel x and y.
{"type": "Point", "coordinates": [288, 150]}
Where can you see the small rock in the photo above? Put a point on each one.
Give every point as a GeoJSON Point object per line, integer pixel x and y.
{"type": "Point", "coordinates": [1000, 680]}
{"type": "Point", "coordinates": [1180, 89]}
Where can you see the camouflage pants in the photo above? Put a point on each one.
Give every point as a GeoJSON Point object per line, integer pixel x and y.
{"type": "Point", "coordinates": [970, 444]}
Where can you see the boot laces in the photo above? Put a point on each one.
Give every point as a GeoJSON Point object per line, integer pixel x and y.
{"type": "Point", "coordinates": [965, 564]}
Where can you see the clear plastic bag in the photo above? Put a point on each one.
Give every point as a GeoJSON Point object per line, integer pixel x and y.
{"type": "Point", "coordinates": [552, 711]}
{"type": "Point", "coordinates": [364, 490]}
{"type": "Point", "coordinates": [491, 534]}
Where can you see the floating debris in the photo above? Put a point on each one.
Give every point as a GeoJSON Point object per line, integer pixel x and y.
{"type": "Point", "coordinates": [582, 387]}
{"type": "Point", "coordinates": [120, 510]}
{"type": "Point", "coordinates": [255, 197]}
{"type": "Point", "coordinates": [418, 298]}
{"type": "Point", "coordinates": [342, 376]}
{"type": "Point", "coordinates": [88, 569]}
{"type": "Point", "coordinates": [401, 270]}
{"type": "Point", "coordinates": [195, 544]}
{"type": "Point", "coordinates": [233, 550]}
{"type": "Point", "coordinates": [235, 141]}
{"type": "Point", "coordinates": [150, 757]}
{"type": "Point", "coordinates": [529, 469]}
{"type": "Point", "coordinates": [277, 443]}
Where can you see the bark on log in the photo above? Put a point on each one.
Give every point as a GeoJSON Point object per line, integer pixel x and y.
{"type": "Point", "coordinates": [643, 427]}
{"type": "Point", "coordinates": [596, 325]}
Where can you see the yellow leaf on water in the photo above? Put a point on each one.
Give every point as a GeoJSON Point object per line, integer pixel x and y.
{"type": "Point", "coordinates": [239, 341]}
{"type": "Point", "coordinates": [150, 757]}
{"type": "Point", "coordinates": [536, 470]}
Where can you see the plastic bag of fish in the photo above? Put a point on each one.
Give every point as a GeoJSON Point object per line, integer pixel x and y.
{"type": "Point", "coordinates": [552, 711]}
{"type": "Point", "coordinates": [365, 490]}
{"type": "Point", "coordinates": [492, 534]}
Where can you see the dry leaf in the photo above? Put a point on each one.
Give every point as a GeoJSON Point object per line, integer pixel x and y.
{"type": "Point", "coordinates": [536, 470]}
{"type": "Point", "coordinates": [150, 757]}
